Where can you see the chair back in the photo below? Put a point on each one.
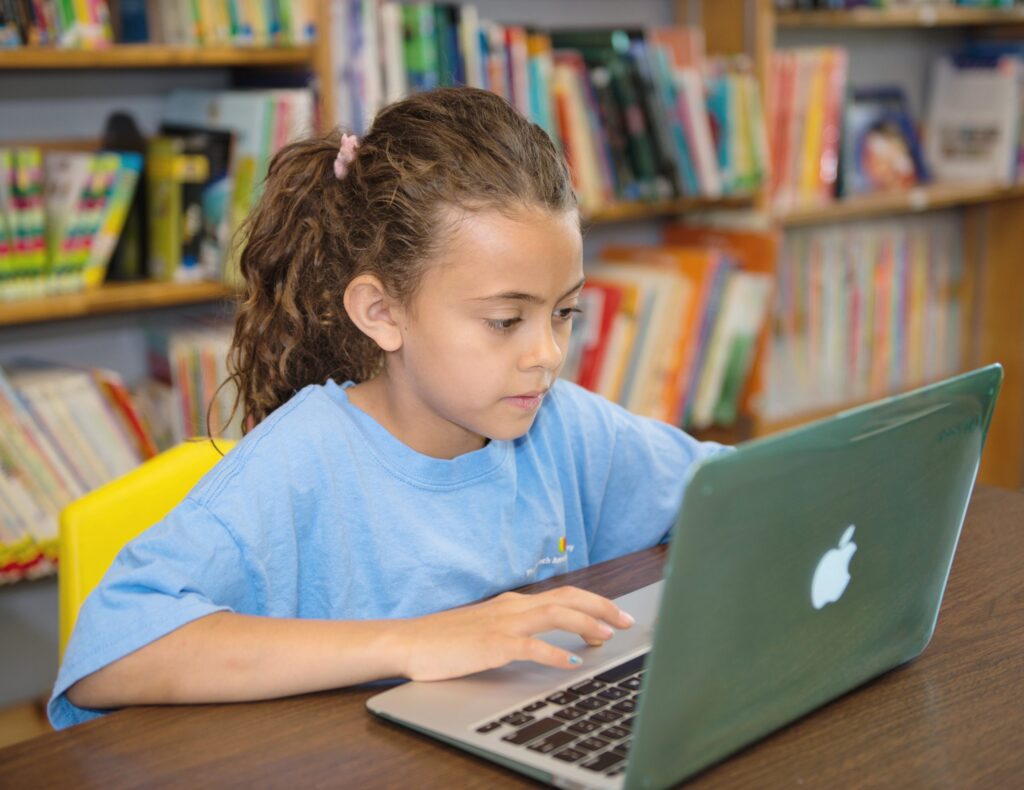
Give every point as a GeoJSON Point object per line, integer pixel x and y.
{"type": "Point", "coordinates": [95, 527]}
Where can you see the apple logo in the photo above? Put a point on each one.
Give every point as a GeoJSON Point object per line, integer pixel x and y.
{"type": "Point", "coordinates": [832, 574]}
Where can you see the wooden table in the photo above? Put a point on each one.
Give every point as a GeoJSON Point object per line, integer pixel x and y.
{"type": "Point", "coordinates": [954, 717]}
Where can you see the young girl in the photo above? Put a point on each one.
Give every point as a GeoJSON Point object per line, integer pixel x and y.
{"type": "Point", "coordinates": [408, 305]}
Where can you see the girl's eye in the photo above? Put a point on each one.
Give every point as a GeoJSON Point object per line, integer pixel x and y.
{"type": "Point", "coordinates": [566, 313]}
{"type": "Point", "coordinates": [503, 324]}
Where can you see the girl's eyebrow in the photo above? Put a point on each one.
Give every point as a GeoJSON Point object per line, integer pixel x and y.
{"type": "Point", "coordinates": [525, 297]}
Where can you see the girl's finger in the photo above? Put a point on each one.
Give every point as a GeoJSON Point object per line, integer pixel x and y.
{"type": "Point", "coordinates": [550, 616]}
{"type": "Point", "coordinates": [528, 648]}
{"type": "Point", "coordinates": [593, 604]}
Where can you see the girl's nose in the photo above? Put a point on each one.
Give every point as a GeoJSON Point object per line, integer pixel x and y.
{"type": "Point", "coordinates": [544, 351]}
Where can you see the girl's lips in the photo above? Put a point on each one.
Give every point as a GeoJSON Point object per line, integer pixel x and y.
{"type": "Point", "coordinates": [528, 400]}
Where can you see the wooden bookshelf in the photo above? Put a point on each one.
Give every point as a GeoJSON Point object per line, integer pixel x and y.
{"type": "Point", "coordinates": [924, 16]}
{"type": "Point", "coordinates": [925, 198]}
{"type": "Point", "coordinates": [153, 56]}
{"type": "Point", "coordinates": [625, 212]}
{"type": "Point", "coordinates": [112, 298]}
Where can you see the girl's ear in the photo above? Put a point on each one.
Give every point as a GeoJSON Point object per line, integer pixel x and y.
{"type": "Point", "coordinates": [372, 310]}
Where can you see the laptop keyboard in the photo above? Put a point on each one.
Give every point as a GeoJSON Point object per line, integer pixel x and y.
{"type": "Point", "coordinates": [589, 723]}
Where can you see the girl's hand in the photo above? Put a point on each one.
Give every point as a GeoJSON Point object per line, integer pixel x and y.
{"type": "Point", "coordinates": [493, 633]}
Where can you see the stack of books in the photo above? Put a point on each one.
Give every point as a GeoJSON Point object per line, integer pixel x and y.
{"type": "Point", "coordinates": [808, 89]}
{"type": "Point", "coordinates": [210, 160]}
{"type": "Point", "coordinates": [673, 331]}
{"type": "Point", "coordinates": [864, 310]}
{"type": "Point", "coordinates": [189, 386]}
{"type": "Point", "coordinates": [639, 114]}
{"type": "Point", "coordinates": [99, 23]}
{"type": "Point", "coordinates": [63, 432]}
{"type": "Point", "coordinates": [61, 215]}
{"type": "Point", "coordinates": [57, 23]}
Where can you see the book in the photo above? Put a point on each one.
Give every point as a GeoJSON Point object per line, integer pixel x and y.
{"type": "Point", "coordinates": [881, 150]}
{"type": "Point", "coordinates": [206, 204]}
{"type": "Point", "coordinates": [973, 117]}
{"type": "Point", "coordinates": [731, 348]}
{"type": "Point", "coordinates": [699, 265]}
{"type": "Point", "coordinates": [753, 251]}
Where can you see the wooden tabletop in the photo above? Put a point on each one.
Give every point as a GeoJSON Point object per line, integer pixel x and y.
{"type": "Point", "coordinates": [954, 717]}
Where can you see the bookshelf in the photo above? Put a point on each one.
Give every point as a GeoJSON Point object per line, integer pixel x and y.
{"type": "Point", "coordinates": [158, 56]}
{"type": "Point", "coordinates": [931, 197]}
{"type": "Point", "coordinates": [925, 16]}
{"type": "Point", "coordinates": [113, 298]}
{"type": "Point", "coordinates": [993, 214]}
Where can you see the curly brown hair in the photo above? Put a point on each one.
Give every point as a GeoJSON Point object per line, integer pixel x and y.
{"type": "Point", "coordinates": [310, 233]}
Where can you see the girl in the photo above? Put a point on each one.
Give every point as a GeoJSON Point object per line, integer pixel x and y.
{"type": "Point", "coordinates": [408, 306]}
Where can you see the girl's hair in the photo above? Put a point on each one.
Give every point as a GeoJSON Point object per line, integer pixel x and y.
{"type": "Point", "coordinates": [311, 233]}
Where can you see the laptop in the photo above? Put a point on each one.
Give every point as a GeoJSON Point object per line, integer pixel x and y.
{"type": "Point", "coordinates": [801, 566]}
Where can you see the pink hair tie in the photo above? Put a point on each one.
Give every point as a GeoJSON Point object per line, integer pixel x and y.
{"type": "Point", "coordinates": [346, 153]}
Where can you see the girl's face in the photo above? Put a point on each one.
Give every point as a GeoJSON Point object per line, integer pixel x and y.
{"type": "Point", "coordinates": [487, 332]}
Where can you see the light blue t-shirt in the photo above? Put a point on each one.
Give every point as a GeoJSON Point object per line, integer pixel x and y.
{"type": "Point", "coordinates": [321, 513]}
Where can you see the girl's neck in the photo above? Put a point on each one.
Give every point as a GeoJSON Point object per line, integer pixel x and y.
{"type": "Point", "coordinates": [406, 419]}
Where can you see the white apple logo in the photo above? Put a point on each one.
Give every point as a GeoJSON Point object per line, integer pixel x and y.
{"type": "Point", "coordinates": [832, 574]}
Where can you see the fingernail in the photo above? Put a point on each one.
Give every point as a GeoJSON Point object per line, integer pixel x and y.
{"type": "Point", "coordinates": [605, 631]}
{"type": "Point", "coordinates": [575, 660]}
{"type": "Point", "coordinates": [627, 617]}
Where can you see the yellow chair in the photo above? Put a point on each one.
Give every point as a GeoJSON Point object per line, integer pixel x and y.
{"type": "Point", "coordinates": [94, 527]}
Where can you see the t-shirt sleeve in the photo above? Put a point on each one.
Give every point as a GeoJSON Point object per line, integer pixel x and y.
{"type": "Point", "coordinates": [636, 471]}
{"type": "Point", "coordinates": [183, 568]}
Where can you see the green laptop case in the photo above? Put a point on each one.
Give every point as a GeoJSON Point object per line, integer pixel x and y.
{"type": "Point", "coordinates": [733, 668]}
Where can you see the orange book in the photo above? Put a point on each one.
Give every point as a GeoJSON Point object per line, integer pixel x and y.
{"type": "Point", "coordinates": [753, 250]}
{"type": "Point", "coordinates": [699, 266]}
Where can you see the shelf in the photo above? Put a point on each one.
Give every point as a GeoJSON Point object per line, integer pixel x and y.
{"type": "Point", "coordinates": [624, 212]}
{"type": "Point", "coordinates": [925, 198]}
{"type": "Point", "coordinates": [152, 56]}
{"type": "Point", "coordinates": [925, 16]}
{"type": "Point", "coordinates": [112, 298]}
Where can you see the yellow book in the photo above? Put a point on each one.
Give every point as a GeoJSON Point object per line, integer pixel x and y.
{"type": "Point", "coordinates": [810, 170]}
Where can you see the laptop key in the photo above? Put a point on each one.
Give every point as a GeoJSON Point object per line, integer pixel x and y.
{"type": "Point", "coordinates": [615, 674]}
{"type": "Point", "coordinates": [535, 706]}
{"type": "Point", "coordinates": [613, 693]}
{"type": "Point", "coordinates": [562, 698]}
{"type": "Point", "coordinates": [583, 727]}
{"type": "Point", "coordinates": [631, 683]}
{"type": "Point", "coordinates": [622, 749]}
{"type": "Point", "coordinates": [626, 706]}
{"type": "Point", "coordinates": [603, 762]}
{"type": "Point", "coordinates": [517, 719]}
{"type": "Point", "coordinates": [532, 731]}
{"type": "Point", "coordinates": [587, 687]}
{"type": "Point", "coordinates": [606, 716]}
{"type": "Point", "coordinates": [591, 744]}
{"type": "Point", "coordinates": [570, 755]}
{"type": "Point", "coordinates": [591, 703]}
{"type": "Point", "coordinates": [489, 727]}
{"type": "Point", "coordinates": [615, 733]}
{"type": "Point", "coordinates": [555, 740]}
{"type": "Point", "coordinates": [570, 714]}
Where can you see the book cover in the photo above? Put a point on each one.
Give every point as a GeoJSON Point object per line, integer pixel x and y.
{"type": "Point", "coordinates": [207, 203]}
{"type": "Point", "coordinates": [881, 150]}
{"type": "Point", "coordinates": [972, 119]}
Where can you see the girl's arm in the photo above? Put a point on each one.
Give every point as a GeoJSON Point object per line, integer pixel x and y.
{"type": "Point", "coordinates": [228, 657]}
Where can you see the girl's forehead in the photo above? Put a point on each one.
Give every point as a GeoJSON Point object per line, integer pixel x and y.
{"type": "Point", "coordinates": [489, 253]}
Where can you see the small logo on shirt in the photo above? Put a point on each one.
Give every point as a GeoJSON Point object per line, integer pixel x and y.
{"type": "Point", "coordinates": [561, 558]}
